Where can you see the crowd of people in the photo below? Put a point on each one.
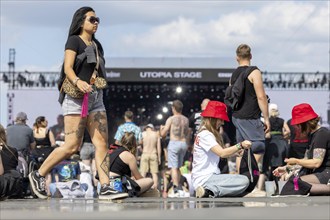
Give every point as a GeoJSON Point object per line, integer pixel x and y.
{"type": "Point", "coordinates": [187, 156]}
{"type": "Point", "coordinates": [191, 167]}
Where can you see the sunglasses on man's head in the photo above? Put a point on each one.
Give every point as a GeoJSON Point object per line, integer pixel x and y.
{"type": "Point", "coordinates": [93, 19]}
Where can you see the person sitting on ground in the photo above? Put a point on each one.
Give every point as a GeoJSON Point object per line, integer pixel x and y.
{"type": "Point", "coordinates": [123, 162]}
{"type": "Point", "coordinates": [208, 147]}
{"type": "Point", "coordinates": [10, 179]}
{"type": "Point", "coordinates": [317, 157]}
{"type": "Point", "coordinates": [43, 136]}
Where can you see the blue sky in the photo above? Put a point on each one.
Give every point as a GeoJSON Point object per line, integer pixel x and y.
{"type": "Point", "coordinates": [290, 36]}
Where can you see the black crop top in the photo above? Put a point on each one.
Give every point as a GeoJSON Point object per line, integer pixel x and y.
{"type": "Point", "coordinates": [85, 61]}
{"type": "Point", "coordinates": [117, 165]}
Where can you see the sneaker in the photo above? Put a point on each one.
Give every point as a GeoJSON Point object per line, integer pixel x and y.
{"type": "Point", "coordinates": [106, 192]}
{"type": "Point", "coordinates": [183, 194]}
{"type": "Point", "coordinates": [203, 193]}
{"type": "Point", "coordinates": [173, 195]}
{"type": "Point", "coordinates": [173, 192]}
{"type": "Point", "coordinates": [256, 193]}
{"type": "Point", "coordinates": [38, 185]}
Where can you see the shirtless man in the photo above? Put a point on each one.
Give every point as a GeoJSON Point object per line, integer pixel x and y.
{"type": "Point", "coordinates": [178, 126]}
{"type": "Point", "coordinates": [150, 158]}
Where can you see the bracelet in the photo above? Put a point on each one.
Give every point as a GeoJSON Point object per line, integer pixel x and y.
{"type": "Point", "coordinates": [238, 146]}
{"type": "Point", "coordinates": [75, 81]}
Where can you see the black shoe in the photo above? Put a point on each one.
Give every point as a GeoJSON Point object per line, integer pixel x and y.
{"type": "Point", "coordinates": [107, 192]}
{"type": "Point", "coordinates": [38, 185]}
{"type": "Point", "coordinates": [201, 192]}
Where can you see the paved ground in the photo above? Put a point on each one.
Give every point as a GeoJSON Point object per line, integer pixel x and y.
{"type": "Point", "coordinates": [158, 208]}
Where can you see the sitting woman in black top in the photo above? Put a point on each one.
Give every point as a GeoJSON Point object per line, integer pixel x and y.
{"type": "Point", "coordinates": [317, 158]}
{"type": "Point", "coordinates": [123, 162]}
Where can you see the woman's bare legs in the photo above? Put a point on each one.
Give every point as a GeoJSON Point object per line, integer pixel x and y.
{"type": "Point", "coordinates": [98, 130]}
{"type": "Point", "coordinates": [74, 127]}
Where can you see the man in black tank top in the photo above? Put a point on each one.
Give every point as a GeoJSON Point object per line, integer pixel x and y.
{"type": "Point", "coordinates": [247, 118]}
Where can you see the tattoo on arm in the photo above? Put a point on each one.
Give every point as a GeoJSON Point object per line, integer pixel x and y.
{"type": "Point", "coordinates": [319, 153]}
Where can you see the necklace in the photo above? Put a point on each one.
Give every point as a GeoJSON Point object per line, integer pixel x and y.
{"type": "Point", "coordinates": [87, 42]}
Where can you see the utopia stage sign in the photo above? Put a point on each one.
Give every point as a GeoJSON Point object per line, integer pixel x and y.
{"type": "Point", "coordinates": [167, 75]}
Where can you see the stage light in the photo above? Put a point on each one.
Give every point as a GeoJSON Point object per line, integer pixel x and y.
{"type": "Point", "coordinates": [157, 96]}
{"type": "Point", "coordinates": [165, 109]}
{"type": "Point", "coordinates": [159, 116]}
{"type": "Point", "coordinates": [178, 89]}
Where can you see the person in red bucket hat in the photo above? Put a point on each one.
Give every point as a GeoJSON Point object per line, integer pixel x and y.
{"type": "Point", "coordinates": [316, 163]}
{"type": "Point", "coordinates": [207, 179]}
{"type": "Point", "coordinates": [302, 113]}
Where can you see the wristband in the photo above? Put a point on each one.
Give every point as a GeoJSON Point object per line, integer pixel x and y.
{"type": "Point", "coordinates": [238, 146]}
{"type": "Point", "coordinates": [75, 81]}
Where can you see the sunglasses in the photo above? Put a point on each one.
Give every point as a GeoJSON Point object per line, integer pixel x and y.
{"type": "Point", "coordinates": [93, 19]}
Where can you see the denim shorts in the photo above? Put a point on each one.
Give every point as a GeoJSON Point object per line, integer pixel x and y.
{"type": "Point", "coordinates": [73, 106]}
{"type": "Point", "coordinates": [252, 130]}
{"type": "Point", "coordinates": [323, 176]}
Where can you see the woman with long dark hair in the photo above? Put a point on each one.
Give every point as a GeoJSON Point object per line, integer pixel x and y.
{"type": "Point", "coordinates": [83, 56]}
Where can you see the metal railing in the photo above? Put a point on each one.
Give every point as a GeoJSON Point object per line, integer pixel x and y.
{"type": "Point", "coordinates": [272, 80]}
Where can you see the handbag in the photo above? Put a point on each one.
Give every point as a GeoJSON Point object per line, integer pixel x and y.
{"type": "Point", "coordinates": [98, 81]}
{"type": "Point", "coordinates": [71, 89]}
{"type": "Point", "coordinates": [296, 186]}
{"type": "Point", "coordinates": [130, 186]}
{"type": "Point", "coordinates": [249, 168]}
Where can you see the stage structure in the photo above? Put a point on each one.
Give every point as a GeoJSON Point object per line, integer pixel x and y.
{"type": "Point", "coordinates": [148, 92]}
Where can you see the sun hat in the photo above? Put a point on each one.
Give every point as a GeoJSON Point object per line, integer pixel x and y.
{"type": "Point", "coordinates": [302, 113]}
{"type": "Point", "coordinates": [215, 109]}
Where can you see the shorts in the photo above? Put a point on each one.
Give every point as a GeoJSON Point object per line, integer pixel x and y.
{"type": "Point", "coordinates": [176, 151]}
{"type": "Point", "coordinates": [252, 130]}
{"type": "Point", "coordinates": [73, 106]}
{"type": "Point", "coordinates": [87, 151]}
{"type": "Point", "coordinates": [149, 162]}
{"type": "Point", "coordinates": [323, 176]}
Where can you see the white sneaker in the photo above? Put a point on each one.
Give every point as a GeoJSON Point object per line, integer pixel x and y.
{"type": "Point", "coordinates": [183, 194]}
{"type": "Point", "coordinates": [173, 195]}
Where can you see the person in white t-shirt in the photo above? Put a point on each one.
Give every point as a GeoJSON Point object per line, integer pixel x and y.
{"type": "Point", "coordinates": [207, 179]}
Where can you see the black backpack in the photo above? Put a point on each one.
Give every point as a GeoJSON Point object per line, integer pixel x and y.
{"type": "Point", "coordinates": [234, 93]}
{"type": "Point", "coordinates": [249, 168]}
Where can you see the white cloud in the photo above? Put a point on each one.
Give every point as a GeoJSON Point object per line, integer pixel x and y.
{"type": "Point", "coordinates": [284, 35]}
{"type": "Point", "coordinates": [175, 35]}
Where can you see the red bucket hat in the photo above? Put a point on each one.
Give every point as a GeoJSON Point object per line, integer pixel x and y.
{"type": "Point", "coordinates": [215, 109]}
{"type": "Point", "coordinates": [302, 113]}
